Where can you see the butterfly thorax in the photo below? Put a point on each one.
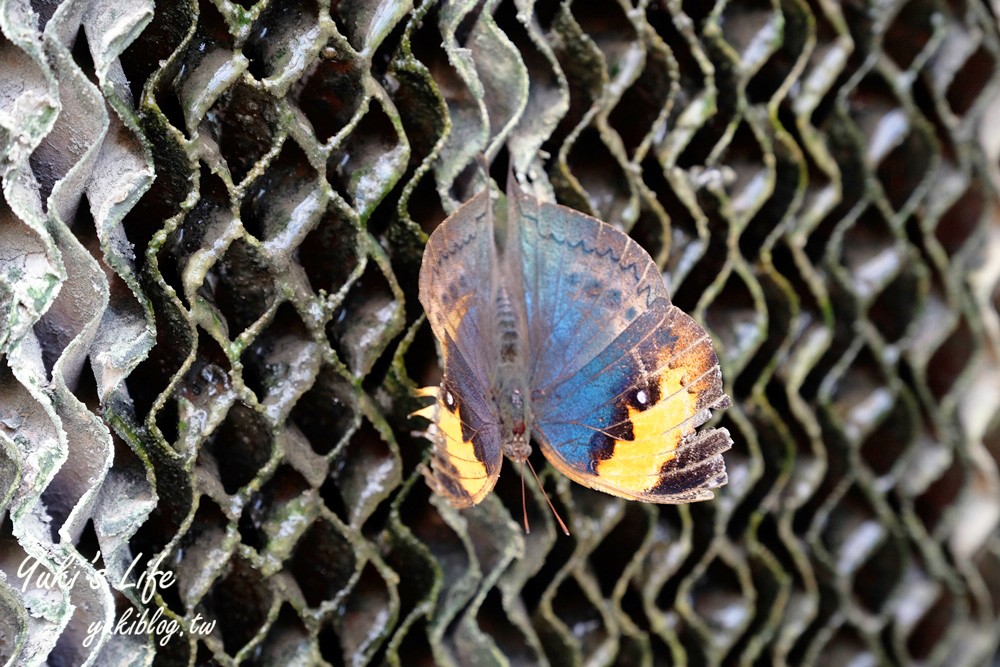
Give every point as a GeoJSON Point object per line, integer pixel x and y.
{"type": "Point", "coordinates": [511, 390]}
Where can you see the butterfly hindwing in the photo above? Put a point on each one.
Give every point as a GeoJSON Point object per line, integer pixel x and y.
{"type": "Point", "coordinates": [621, 378]}
{"type": "Point", "coordinates": [457, 282]}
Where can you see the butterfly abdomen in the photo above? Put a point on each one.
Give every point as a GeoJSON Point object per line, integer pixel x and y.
{"type": "Point", "coordinates": [510, 390]}
{"type": "Point", "coordinates": [507, 330]}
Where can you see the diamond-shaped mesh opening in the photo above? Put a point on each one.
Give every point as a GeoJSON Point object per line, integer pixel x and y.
{"type": "Point", "coordinates": [853, 532]}
{"type": "Point", "coordinates": [262, 516]}
{"type": "Point", "coordinates": [243, 602]}
{"type": "Point", "coordinates": [961, 221]}
{"type": "Point", "coordinates": [888, 443]}
{"type": "Point", "coordinates": [285, 198]}
{"type": "Point", "coordinates": [894, 310]}
{"type": "Point", "coordinates": [930, 630]}
{"type": "Point", "coordinates": [606, 561]}
{"type": "Point", "coordinates": [322, 564]}
{"type": "Point", "coordinates": [967, 86]}
{"type": "Point", "coordinates": [243, 122]}
{"type": "Point", "coordinates": [239, 448]}
{"type": "Point", "coordinates": [605, 188]}
{"type": "Point", "coordinates": [733, 317]}
{"type": "Point", "coordinates": [278, 37]}
{"type": "Point", "coordinates": [363, 21]}
{"type": "Point", "coordinates": [281, 355]}
{"type": "Point", "coordinates": [287, 641]}
{"type": "Point", "coordinates": [363, 472]}
{"type": "Point", "coordinates": [200, 554]}
{"type": "Point", "coordinates": [327, 413]}
{"type": "Point", "coordinates": [649, 230]}
{"type": "Point", "coordinates": [880, 576]}
{"type": "Point", "coordinates": [611, 32]}
{"type": "Point", "coordinates": [645, 99]}
{"type": "Point", "coordinates": [330, 254]}
{"type": "Point", "coordinates": [239, 286]}
{"type": "Point", "coordinates": [208, 56]}
{"type": "Point", "coordinates": [331, 93]}
{"type": "Point", "coordinates": [368, 612]}
{"type": "Point", "coordinates": [903, 170]}
{"type": "Point", "coordinates": [718, 599]}
{"type": "Point", "coordinates": [574, 618]}
{"type": "Point", "coordinates": [363, 166]}
{"type": "Point", "coordinates": [359, 326]}
{"type": "Point", "coordinates": [509, 638]}
{"type": "Point", "coordinates": [742, 23]}
{"type": "Point", "coordinates": [932, 505]}
{"type": "Point", "coordinates": [204, 225]}
{"type": "Point", "coordinates": [951, 359]}
{"type": "Point", "coordinates": [910, 31]}
{"type": "Point", "coordinates": [206, 378]}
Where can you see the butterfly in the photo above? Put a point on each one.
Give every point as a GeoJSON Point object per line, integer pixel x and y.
{"type": "Point", "coordinates": [557, 328]}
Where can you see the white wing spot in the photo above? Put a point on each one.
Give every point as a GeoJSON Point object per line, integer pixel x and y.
{"type": "Point", "coordinates": [641, 397]}
{"type": "Point", "coordinates": [449, 399]}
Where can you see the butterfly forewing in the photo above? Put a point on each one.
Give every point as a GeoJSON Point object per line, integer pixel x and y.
{"type": "Point", "coordinates": [620, 377]}
{"type": "Point", "coordinates": [457, 285]}
{"type": "Point", "coordinates": [583, 281]}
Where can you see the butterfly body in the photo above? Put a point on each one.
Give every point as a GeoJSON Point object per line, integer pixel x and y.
{"type": "Point", "coordinates": [511, 393]}
{"type": "Point", "coordinates": [557, 328]}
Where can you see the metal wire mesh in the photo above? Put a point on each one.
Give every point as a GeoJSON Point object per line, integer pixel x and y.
{"type": "Point", "coordinates": [212, 218]}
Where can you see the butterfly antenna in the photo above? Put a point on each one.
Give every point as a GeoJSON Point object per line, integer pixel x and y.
{"type": "Point", "coordinates": [524, 503]}
{"type": "Point", "coordinates": [547, 499]}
